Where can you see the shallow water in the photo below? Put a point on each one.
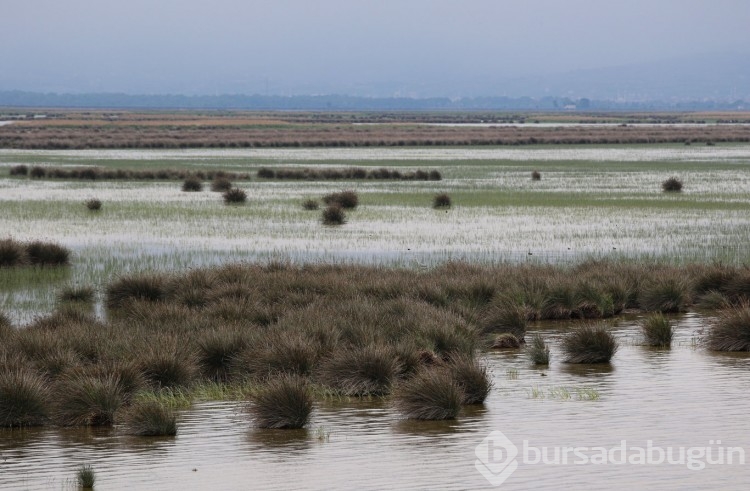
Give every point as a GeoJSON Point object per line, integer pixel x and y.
{"type": "Point", "coordinates": [683, 397]}
{"type": "Point", "coordinates": [292, 155]}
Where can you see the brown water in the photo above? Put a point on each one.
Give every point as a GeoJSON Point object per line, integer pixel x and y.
{"type": "Point", "coordinates": [683, 397]}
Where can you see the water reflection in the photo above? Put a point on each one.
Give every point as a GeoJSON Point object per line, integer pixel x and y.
{"type": "Point", "coordinates": [281, 442]}
{"type": "Point", "coordinates": [668, 396]}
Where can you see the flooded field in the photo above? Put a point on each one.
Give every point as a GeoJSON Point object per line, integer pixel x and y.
{"type": "Point", "coordinates": [678, 398]}
{"type": "Point", "coordinates": [591, 202]}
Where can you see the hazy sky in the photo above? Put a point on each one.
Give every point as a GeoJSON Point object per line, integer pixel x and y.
{"type": "Point", "coordinates": [377, 47]}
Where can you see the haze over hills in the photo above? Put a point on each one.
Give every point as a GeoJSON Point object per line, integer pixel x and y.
{"type": "Point", "coordinates": [643, 52]}
{"type": "Point", "coordinates": [711, 81]}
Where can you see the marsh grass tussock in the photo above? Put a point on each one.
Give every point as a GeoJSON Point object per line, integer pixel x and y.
{"type": "Point", "coordinates": [19, 170]}
{"type": "Point", "coordinates": [589, 343]}
{"type": "Point", "coordinates": [192, 184]}
{"type": "Point", "coordinates": [93, 204]}
{"type": "Point", "coordinates": [76, 294]}
{"type": "Point", "coordinates": [348, 199]}
{"type": "Point", "coordinates": [657, 331]}
{"type": "Point", "coordinates": [277, 353]}
{"type": "Point", "coordinates": [665, 294]}
{"type": "Point", "coordinates": [310, 204]}
{"type": "Point", "coordinates": [334, 215]}
{"type": "Point", "coordinates": [217, 351]}
{"type": "Point", "coordinates": [24, 398]}
{"type": "Point", "coordinates": [731, 330]}
{"type": "Point", "coordinates": [85, 400]}
{"type": "Point", "coordinates": [442, 201]}
{"type": "Point", "coordinates": [505, 315]}
{"type": "Point", "coordinates": [505, 340]}
{"type": "Point", "coordinates": [367, 371]}
{"type": "Point", "coordinates": [150, 418]}
{"type": "Point", "coordinates": [538, 351]}
{"type": "Point", "coordinates": [282, 403]}
{"type": "Point", "coordinates": [138, 287]}
{"type": "Point", "coordinates": [12, 253]}
{"type": "Point", "coordinates": [47, 254]}
{"type": "Point", "coordinates": [165, 364]}
{"type": "Point", "coordinates": [471, 377]}
{"type": "Point", "coordinates": [234, 196]}
{"type": "Point", "coordinates": [221, 185]}
{"type": "Point", "coordinates": [430, 394]}
{"type": "Point", "coordinates": [672, 185]}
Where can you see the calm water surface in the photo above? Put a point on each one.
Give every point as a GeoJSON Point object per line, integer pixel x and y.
{"type": "Point", "coordinates": [683, 397]}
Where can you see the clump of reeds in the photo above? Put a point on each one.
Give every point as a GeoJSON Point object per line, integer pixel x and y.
{"type": "Point", "coordinates": [221, 184]}
{"type": "Point", "coordinates": [505, 316]}
{"type": "Point", "coordinates": [441, 201]}
{"type": "Point", "coordinates": [164, 365]}
{"type": "Point", "coordinates": [24, 398]}
{"type": "Point", "coordinates": [83, 399]}
{"type": "Point", "coordinates": [334, 215]}
{"type": "Point", "coordinates": [283, 403]}
{"type": "Point", "coordinates": [538, 351]}
{"type": "Point", "coordinates": [19, 170]}
{"type": "Point", "coordinates": [148, 287]}
{"type": "Point", "coordinates": [76, 294]}
{"type": "Point", "coordinates": [589, 344]}
{"type": "Point", "coordinates": [86, 477]}
{"type": "Point", "coordinates": [367, 371]}
{"type": "Point", "coordinates": [280, 353]}
{"type": "Point", "coordinates": [12, 253]}
{"type": "Point", "coordinates": [310, 204]}
{"type": "Point", "coordinates": [430, 394]}
{"type": "Point", "coordinates": [657, 330]}
{"type": "Point", "coordinates": [234, 196]}
{"type": "Point", "coordinates": [344, 199]}
{"type": "Point", "coordinates": [93, 204]}
{"type": "Point", "coordinates": [266, 173]}
{"type": "Point", "coordinates": [665, 294]}
{"type": "Point", "coordinates": [150, 418]}
{"type": "Point", "coordinates": [672, 185]}
{"type": "Point", "coordinates": [471, 377]}
{"type": "Point", "coordinates": [731, 330]}
{"type": "Point", "coordinates": [505, 340]}
{"type": "Point", "coordinates": [37, 172]}
{"type": "Point", "coordinates": [192, 184]}
{"type": "Point", "coordinates": [217, 351]}
{"type": "Point", "coordinates": [47, 254]}
{"type": "Point", "coordinates": [536, 175]}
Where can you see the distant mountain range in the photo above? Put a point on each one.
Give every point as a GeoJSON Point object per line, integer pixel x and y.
{"type": "Point", "coordinates": [20, 99]}
{"type": "Point", "coordinates": [706, 82]}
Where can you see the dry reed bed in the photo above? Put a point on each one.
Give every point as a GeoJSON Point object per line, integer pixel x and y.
{"type": "Point", "coordinates": [99, 173]}
{"type": "Point", "coordinates": [42, 135]}
{"type": "Point", "coordinates": [349, 330]}
{"type": "Point", "coordinates": [382, 173]}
